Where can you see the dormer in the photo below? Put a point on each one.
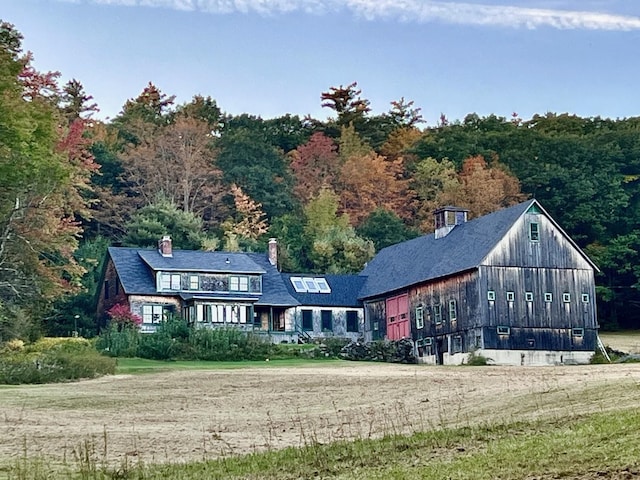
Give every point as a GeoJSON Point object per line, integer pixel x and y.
{"type": "Point", "coordinates": [446, 218]}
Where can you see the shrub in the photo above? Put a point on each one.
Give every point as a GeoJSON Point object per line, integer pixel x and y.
{"type": "Point", "coordinates": [119, 343]}
{"type": "Point", "coordinates": [121, 315]}
{"type": "Point", "coordinates": [476, 360]}
{"type": "Point", "coordinates": [54, 360]}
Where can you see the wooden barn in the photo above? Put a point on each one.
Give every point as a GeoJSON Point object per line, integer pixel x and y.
{"type": "Point", "coordinates": [511, 286]}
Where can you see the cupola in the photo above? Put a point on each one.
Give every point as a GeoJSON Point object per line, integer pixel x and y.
{"type": "Point", "coordinates": [446, 218]}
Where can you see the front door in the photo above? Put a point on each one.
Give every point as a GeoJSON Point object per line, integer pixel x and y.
{"type": "Point", "coordinates": [398, 317]}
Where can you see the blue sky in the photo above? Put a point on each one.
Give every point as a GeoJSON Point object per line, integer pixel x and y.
{"type": "Point", "coordinates": [272, 57]}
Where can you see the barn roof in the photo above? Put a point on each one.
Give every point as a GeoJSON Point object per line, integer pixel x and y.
{"type": "Point", "coordinates": [426, 258]}
{"type": "Point", "coordinates": [344, 290]}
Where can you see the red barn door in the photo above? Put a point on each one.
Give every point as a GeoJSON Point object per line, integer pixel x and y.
{"type": "Point", "coordinates": [398, 317]}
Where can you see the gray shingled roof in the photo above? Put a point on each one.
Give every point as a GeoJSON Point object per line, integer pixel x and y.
{"type": "Point", "coordinates": [135, 268]}
{"type": "Point", "coordinates": [274, 292]}
{"type": "Point", "coordinates": [135, 276]}
{"type": "Point", "coordinates": [199, 261]}
{"type": "Point", "coordinates": [344, 290]}
{"type": "Point", "coordinates": [426, 258]}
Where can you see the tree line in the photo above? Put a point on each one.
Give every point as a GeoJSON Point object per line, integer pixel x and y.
{"type": "Point", "coordinates": [332, 191]}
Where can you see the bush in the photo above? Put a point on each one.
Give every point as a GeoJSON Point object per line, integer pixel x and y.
{"type": "Point", "coordinates": [117, 342]}
{"type": "Point", "coordinates": [53, 360]}
{"type": "Point", "coordinates": [476, 360]}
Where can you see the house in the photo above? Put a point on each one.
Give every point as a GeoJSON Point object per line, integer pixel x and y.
{"type": "Point", "coordinates": [328, 305]}
{"type": "Point", "coordinates": [510, 285]}
{"type": "Point", "coordinates": [243, 290]}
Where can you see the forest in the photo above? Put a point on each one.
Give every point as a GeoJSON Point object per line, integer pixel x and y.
{"type": "Point", "coordinates": [332, 191]}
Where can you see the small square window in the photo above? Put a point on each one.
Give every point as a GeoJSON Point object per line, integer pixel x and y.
{"type": "Point", "coordinates": [427, 341]}
{"type": "Point", "coordinates": [503, 330]}
{"type": "Point", "coordinates": [528, 296]}
{"type": "Point", "coordinates": [566, 297]}
{"type": "Point", "coordinates": [375, 326]}
{"type": "Point", "coordinates": [585, 298]}
{"type": "Point", "coordinates": [419, 318]}
{"type": "Point", "coordinates": [194, 282]}
{"type": "Point", "coordinates": [578, 332]}
{"type": "Point", "coordinates": [511, 296]}
{"type": "Point", "coordinates": [491, 295]}
{"type": "Point", "coordinates": [548, 297]}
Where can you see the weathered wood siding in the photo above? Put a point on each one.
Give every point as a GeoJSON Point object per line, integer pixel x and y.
{"type": "Point", "coordinates": [553, 249]}
{"type": "Point", "coordinates": [339, 321]}
{"type": "Point", "coordinates": [462, 289]}
{"type": "Point", "coordinates": [376, 319]}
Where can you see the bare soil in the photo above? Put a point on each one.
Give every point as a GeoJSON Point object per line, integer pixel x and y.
{"type": "Point", "coordinates": [181, 416]}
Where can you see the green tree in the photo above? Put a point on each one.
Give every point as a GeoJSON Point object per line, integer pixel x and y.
{"type": "Point", "coordinates": [385, 228]}
{"type": "Point", "coordinates": [161, 218]}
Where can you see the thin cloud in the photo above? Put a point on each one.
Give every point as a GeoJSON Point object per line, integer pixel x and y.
{"type": "Point", "coordinates": [422, 11]}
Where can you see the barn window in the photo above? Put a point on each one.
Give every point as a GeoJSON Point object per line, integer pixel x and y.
{"type": "Point", "coordinates": [375, 326]}
{"type": "Point", "coordinates": [456, 344]}
{"type": "Point", "coordinates": [307, 320]}
{"type": "Point", "coordinates": [503, 330]}
{"type": "Point", "coordinates": [528, 296]}
{"type": "Point", "coordinates": [578, 332]}
{"type": "Point", "coordinates": [419, 318]}
{"type": "Point", "coordinates": [566, 297]}
{"type": "Point", "coordinates": [194, 282]}
{"type": "Point", "coordinates": [585, 298]}
{"type": "Point", "coordinates": [511, 296]}
{"type": "Point", "coordinates": [427, 341]}
{"type": "Point", "coordinates": [548, 297]}
{"type": "Point", "coordinates": [534, 232]}
{"type": "Point", "coordinates": [352, 321]}
{"type": "Point", "coordinates": [327, 320]}
{"type": "Point", "coordinates": [437, 314]}
{"type": "Point", "coordinates": [491, 295]}
{"type": "Point", "coordinates": [453, 310]}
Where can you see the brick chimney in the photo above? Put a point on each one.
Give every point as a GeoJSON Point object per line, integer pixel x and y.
{"type": "Point", "coordinates": [164, 246]}
{"type": "Point", "coordinates": [273, 252]}
{"type": "Point", "coordinates": [446, 218]}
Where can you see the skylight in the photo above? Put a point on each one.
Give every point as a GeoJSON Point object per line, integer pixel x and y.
{"type": "Point", "coordinates": [310, 285]}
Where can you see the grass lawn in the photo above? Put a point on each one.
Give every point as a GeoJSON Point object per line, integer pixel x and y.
{"type": "Point", "coordinates": [140, 365]}
{"type": "Point", "coordinates": [627, 341]}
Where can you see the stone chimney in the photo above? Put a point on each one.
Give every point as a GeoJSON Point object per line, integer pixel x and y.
{"type": "Point", "coordinates": [446, 218]}
{"type": "Point", "coordinates": [273, 252]}
{"type": "Point", "coordinates": [164, 246]}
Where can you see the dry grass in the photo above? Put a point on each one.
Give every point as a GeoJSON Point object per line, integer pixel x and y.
{"type": "Point", "coordinates": [194, 415]}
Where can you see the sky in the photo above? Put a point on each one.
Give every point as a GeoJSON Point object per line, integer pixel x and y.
{"type": "Point", "coordinates": [274, 57]}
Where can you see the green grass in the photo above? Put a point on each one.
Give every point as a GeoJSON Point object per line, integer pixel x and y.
{"type": "Point", "coordinates": [139, 365]}
{"type": "Point", "coordinates": [602, 445]}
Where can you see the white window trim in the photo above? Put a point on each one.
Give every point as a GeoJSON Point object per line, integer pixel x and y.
{"type": "Point", "coordinates": [419, 318]}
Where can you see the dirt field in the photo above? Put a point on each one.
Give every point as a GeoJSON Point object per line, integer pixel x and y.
{"type": "Point", "coordinates": [179, 416]}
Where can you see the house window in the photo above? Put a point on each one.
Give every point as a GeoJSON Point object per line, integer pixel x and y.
{"type": "Point", "coordinates": [503, 330]}
{"type": "Point", "coordinates": [534, 232]}
{"type": "Point", "coordinates": [194, 282]}
{"type": "Point", "coordinates": [170, 281]}
{"type": "Point", "coordinates": [437, 314]}
{"type": "Point", "coordinates": [352, 321]}
{"type": "Point", "coordinates": [566, 297]}
{"type": "Point", "coordinates": [456, 344]}
{"type": "Point", "coordinates": [453, 310]}
{"type": "Point", "coordinates": [548, 297]}
{"type": "Point", "coordinates": [585, 298]}
{"type": "Point", "coordinates": [491, 295]}
{"type": "Point", "coordinates": [152, 313]}
{"type": "Point", "coordinates": [511, 296]}
{"type": "Point", "coordinates": [239, 284]}
{"type": "Point", "coordinates": [528, 296]}
{"type": "Point", "coordinates": [307, 320]}
{"type": "Point", "coordinates": [419, 318]}
{"type": "Point", "coordinates": [578, 332]}
{"type": "Point", "coordinates": [327, 320]}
